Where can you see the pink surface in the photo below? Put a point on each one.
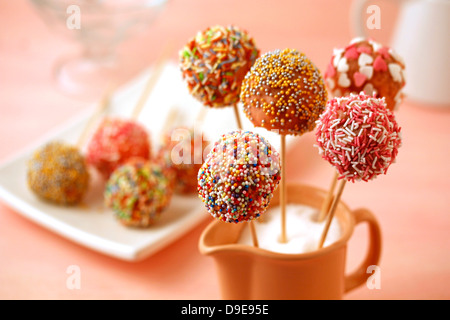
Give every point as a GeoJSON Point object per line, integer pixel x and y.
{"type": "Point", "coordinates": [411, 202]}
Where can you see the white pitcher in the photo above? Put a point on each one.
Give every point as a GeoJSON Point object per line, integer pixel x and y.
{"type": "Point", "coordinates": [422, 38]}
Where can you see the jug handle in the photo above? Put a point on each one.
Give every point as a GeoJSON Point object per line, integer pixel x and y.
{"type": "Point", "coordinates": [359, 276]}
{"type": "Point", "coordinates": [356, 15]}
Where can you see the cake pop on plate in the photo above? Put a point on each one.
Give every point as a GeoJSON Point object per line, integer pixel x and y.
{"type": "Point", "coordinates": [58, 173]}
{"type": "Point", "coordinates": [367, 66]}
{"type": "Point", "coordinates": [114, 142]}
{"type": "Point", "coordinates": [138, 191]}
{"type": "Point", "coordinates": [181, 152]}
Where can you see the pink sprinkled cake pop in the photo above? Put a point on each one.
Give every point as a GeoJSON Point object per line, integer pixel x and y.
{"type": "Point", "coordinates": [365, 65]}
{"type": "Point", "coordinates": [359, 136]}
{"type": "Point", "coordinates": [237, 179]}
{"type": "Point", "coordinates": [114, 142]}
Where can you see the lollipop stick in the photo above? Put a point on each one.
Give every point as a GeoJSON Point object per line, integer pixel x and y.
{"type": "Point", "coordinates": [238, 118]}
{"type": "Point", "coordinates": [201, 116]}
{"type": "Point", "coordinates": [171, 120]}
{"type": "Point", "coordinates": [160, 62]}
{"type": "Point", "coordinates": [103, 104]}
{"type": "Point", "coordinates": [328, 199]}
{"type": "Point", "coordinates": [253, 231]}
{"type": "Point", "coordinates": [283, 189]}
{"type": "Point", "coordinates": [331, 212]}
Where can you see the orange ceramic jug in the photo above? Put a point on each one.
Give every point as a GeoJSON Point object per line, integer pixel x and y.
{"type": "Point", "coordinates": [247, 272]}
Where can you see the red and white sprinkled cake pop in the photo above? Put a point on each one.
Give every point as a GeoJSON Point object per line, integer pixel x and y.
{"type": "Point", "coordinates": [114, 142]}
{"type": "Point", "coordinates": [284, 91]}
{"type": "Point", "coordinates": [215, 61]}
{"type": "Point", "coordinates": [365, 65]}
{"type": "Point", "coordinates": [359, 136]}
{"type": "Point", "coordinates": [239, 176]}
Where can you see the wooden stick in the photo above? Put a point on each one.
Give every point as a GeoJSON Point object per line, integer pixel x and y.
{"type": "Point", "coordinates": [201, 115]}
{"type": "Point", "coordinates": [101, 107]}
{"type": "Point", "coordinates": [253, 231]}
{"type": "Point", "coordinates": [327, 202]}
{"type": "Point", "coordinates": [238, 118]}
{"type": "Point", "coordinates": [331, 212]}
{"type": "Point", "coordinates": [283, 189]}
{"type": "Point", "coordinates": [171, 120]}
{"type": "Point", "coordinates": [157, 69]}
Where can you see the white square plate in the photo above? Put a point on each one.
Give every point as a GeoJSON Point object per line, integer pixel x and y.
{"type": "Point", "coordinates": [95, 226]}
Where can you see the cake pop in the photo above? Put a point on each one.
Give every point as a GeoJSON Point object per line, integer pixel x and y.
{"type": "Point", "coordinates": [114, 142]}
{"type": "Point", "coordinates": [138, 192]}
{"type": "Point", "coordinates": [365, 65]}
{"type": "Point", "coordinates": [215, 61]}
{"type": "Point", "coordinates": [57, 172]}
{"type": "Point", "coordinates": [237, 180]}
{"type": "Point", "coordinates": [359, 136]}
{"type": "Point", "coordinates": [182, 158]}
{"type": "Point", "coordinates": [284, 91]}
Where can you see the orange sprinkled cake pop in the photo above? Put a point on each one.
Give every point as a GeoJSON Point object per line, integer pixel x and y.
{"type": "Point", "coordinates": [284, 91]}
{"type": "Point", "coordinates": [57, 172]}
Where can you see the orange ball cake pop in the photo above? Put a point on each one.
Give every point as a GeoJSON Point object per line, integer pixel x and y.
{"type": "Point", "coordinates": [214, 63]}
{"type": "Point", "coordinates": [58, 173]}
{"type": "Point", "coordinates": [369, 67]}
{"type": "Point", "coordinates": [284, 91]}
{"type": "Point", "coordinates": [181, 152]}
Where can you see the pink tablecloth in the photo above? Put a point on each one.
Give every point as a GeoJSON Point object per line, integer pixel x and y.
{"type": "Point", "coordinates": [411, 202]}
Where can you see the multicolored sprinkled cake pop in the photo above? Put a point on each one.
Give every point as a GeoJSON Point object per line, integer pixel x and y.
{"type": "Point", "coordinates": [182, 152]}
{"type": "Point", "coordinates": [114, 142]}
{"type": "Point", "coordinates": [138, 192]}
{"type": "Point", "coordinates": [284, 91]}
{"type": "Point", "coordinates": [214, 63]}
{"type": "Point", "coordinates": [57, 172]}
{"type": "Point", "coordinates": [239, 176]}
{"type": "Point", "coordinates": [359, 136]}
{"type": "Point", "coordinates": [365, 65]}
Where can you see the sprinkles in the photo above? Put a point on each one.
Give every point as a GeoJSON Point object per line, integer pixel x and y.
{"type": "Point", "coordinates": [284, 91]}
{"type": "Point", "coordinates": [214, 63]}
{"type": "Point", "coordinates": [138, 192]}
{"type": "Point", "coordinates": [57, 172]}
{"type": "Point", "coordinates": [359, 136]}
{"type": "Point", "coordinates": [114, 142]}
{"type": "Point", "coordinates": [237, 180]}
{"type": "Point", "coordinates": [366, 65]}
